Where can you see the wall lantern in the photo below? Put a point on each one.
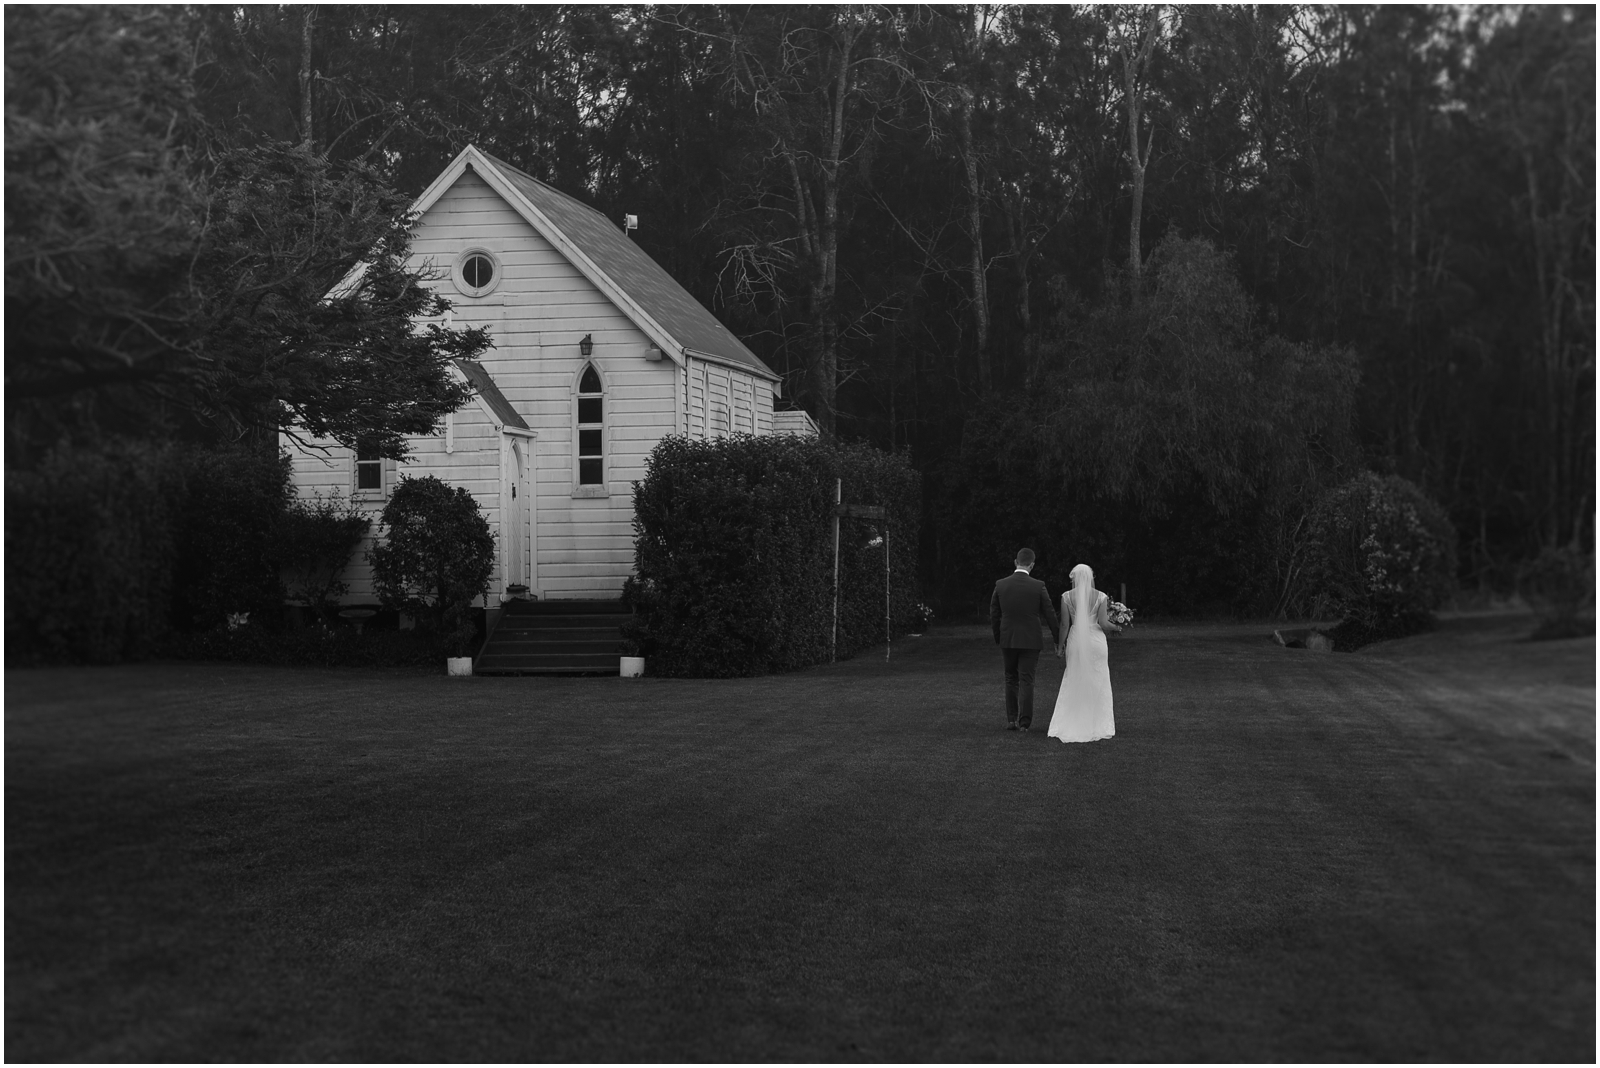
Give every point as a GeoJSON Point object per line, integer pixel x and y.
{"type": "Point", "coordinates": [586, 346]}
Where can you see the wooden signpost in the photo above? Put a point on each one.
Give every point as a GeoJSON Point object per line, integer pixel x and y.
{"type": "Point", "coordinates": [859, 511]}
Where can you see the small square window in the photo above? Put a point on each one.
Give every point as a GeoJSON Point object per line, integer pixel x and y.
{"type": "Point", "coordinates": [588, 443]}
{"type": "Point", "coordinates": [590, 409]}
{"type": "Point", "coordinates": [590, 471]}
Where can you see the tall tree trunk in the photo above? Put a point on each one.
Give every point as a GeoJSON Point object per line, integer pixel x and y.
{"type": "Point", "coordinates": [980, 289]}
{"type": "Point", "coordinates": [1137, 46]}
{"type": "Point", "coordinates": [825, 285]}
{"type": "Point", "coordinates": [308, 14]}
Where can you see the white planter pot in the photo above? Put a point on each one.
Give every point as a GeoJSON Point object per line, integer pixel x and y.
{"type": "Point", "coordinates": [632, 667]}
{"type": "Point", "coordinates": [458, 665]}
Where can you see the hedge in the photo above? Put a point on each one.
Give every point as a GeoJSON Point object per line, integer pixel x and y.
{"type": "Point", "coordinates": [734, 554]}
{"type": "Point", "coordinates": [227, 520]}
{"type": "Point", "coordinates": [110, 549]}
{"type": "Point", "coordinates": [89, 555]}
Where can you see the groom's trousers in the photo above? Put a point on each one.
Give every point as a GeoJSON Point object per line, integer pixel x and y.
{"type": "Point", "coordinates": [1020, 666]}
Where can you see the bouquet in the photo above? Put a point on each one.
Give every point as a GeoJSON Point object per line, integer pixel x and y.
{"type": "Point", "coordinates": [1120, 614]}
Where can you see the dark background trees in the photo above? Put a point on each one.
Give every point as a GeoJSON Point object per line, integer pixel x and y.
{"type": "Point", "coordinates": [1365, 239]}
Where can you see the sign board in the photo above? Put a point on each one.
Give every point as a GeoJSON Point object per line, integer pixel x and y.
{"type": "Point", "coordinates": [861, 511]}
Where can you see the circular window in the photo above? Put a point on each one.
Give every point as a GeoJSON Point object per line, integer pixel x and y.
{"type": "Point", "coordinates": [476, 272]}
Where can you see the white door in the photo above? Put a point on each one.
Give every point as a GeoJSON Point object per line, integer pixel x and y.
{"type": "Point", "coordinates": [518, 516]}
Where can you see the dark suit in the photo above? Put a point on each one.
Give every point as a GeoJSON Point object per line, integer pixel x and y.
{"type": "Point", "coordinates": [1019, 602]}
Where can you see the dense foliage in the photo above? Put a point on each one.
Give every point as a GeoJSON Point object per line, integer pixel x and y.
{"type": "Point", "coordinates": [1382, 555]}
{"type": "Point", "coordinates": [89, 555]}
{"type": "Point", "coordinates": [735, 554]}
{"type": "Point", "coordinates": [1172, 443]}
{"type": "Point", "coordinates": [434, 556]}
{"type": "Point", "coordinates": [109, 550]}
{"type": "Point", "coordinates": [896, 204]}
{"type": "Point", "coordinates": [318, 537]}
{"type": "Point", "coordinates": [946, 227]}
{"type": "Point", "coordinates": [226, 523]}
{"type": "Point", "coordinates": [162, 278]}
{"type": "Point", "coordinates": [1560, 585]}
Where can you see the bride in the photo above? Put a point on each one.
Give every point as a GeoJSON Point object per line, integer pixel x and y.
{"type": "Point", "coordinates": [1083, 707]}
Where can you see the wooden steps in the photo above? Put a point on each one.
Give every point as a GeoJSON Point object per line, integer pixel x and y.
{"type": "Point", "coordinates": [554, 638]}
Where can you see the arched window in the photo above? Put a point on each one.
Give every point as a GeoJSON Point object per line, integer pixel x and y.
{"type": "Point", "coordinates": [591, 429]}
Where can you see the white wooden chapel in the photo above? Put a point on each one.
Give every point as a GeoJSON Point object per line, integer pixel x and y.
{"type": "Point", "coordinates": [598, 354]}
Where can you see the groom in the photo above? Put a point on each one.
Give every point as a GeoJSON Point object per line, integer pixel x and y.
{"type": "Point", "coordinates": [1014, 613]}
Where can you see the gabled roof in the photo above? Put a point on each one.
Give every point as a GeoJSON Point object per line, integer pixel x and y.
{"type": "Point", "coordinates": [490, 394]}
{"type": "Point", "coordinates": [620, 269]}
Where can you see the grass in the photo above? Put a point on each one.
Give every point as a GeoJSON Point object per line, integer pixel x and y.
{"type": "Point", "coordinates": [1282, 855]}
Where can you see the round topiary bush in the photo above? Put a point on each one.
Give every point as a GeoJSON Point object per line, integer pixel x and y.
{"type": "Point", "coordinates": [435, 558]}
{"type": "Point", "coordinates": [1382, 557]}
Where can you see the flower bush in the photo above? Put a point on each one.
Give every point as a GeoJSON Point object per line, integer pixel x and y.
{"type": "Point", "coordinates": [1382, 557]}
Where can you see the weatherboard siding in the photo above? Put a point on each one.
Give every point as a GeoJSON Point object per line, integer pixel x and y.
{"type": "Point", "coordinates": [581, 546]}
{"type": "Point", "coordinates": [474, 463]}
{"type": "Point", "coordinates": [541, 310]}
{"type": "Point", "coordinates": [722, 400]}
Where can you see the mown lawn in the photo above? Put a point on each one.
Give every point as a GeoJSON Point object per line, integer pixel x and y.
{"type": "Point", "coordinates": [1282, 855]}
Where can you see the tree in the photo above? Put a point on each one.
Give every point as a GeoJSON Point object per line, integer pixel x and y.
{"type": "Point", "coordinates": [151, 263]}
{"type": "Point", "coordinates": [1534, 83]}
{"type": "Point", "coordinates": [807, 74]}
{"type": "Point", "coordinates": [1186, 391]}
{"type": "Point", "coordinates": [1139, 30]}
{"type": "Point", "coordinates": [280, 347]}
{"type": "Point", "coordinates": [1175, 440]}
{"type": "Point", "coordinates": [103, 208]}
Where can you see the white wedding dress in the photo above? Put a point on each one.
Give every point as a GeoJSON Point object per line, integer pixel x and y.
{"type": "Point", "coordinates": [1083, 707]}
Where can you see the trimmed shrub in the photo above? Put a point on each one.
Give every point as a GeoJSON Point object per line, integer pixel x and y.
{"type": "Point", "coordinates": [109, 548]}
{"type": "Point", "coordinates": [89, 555]}
{"type": "Point", "coordinates": [226, 526]}
{"type": "Point", "coordinates": [734, 554]}
{"type": "Point", "coordinates": [436, 559]}
{"type": "Point", "coordinates": [318, 538]}
{"type": "Point", "coordinates": [1559, 583]}
{"type": "Point", "coordinates": [1381, 556]}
